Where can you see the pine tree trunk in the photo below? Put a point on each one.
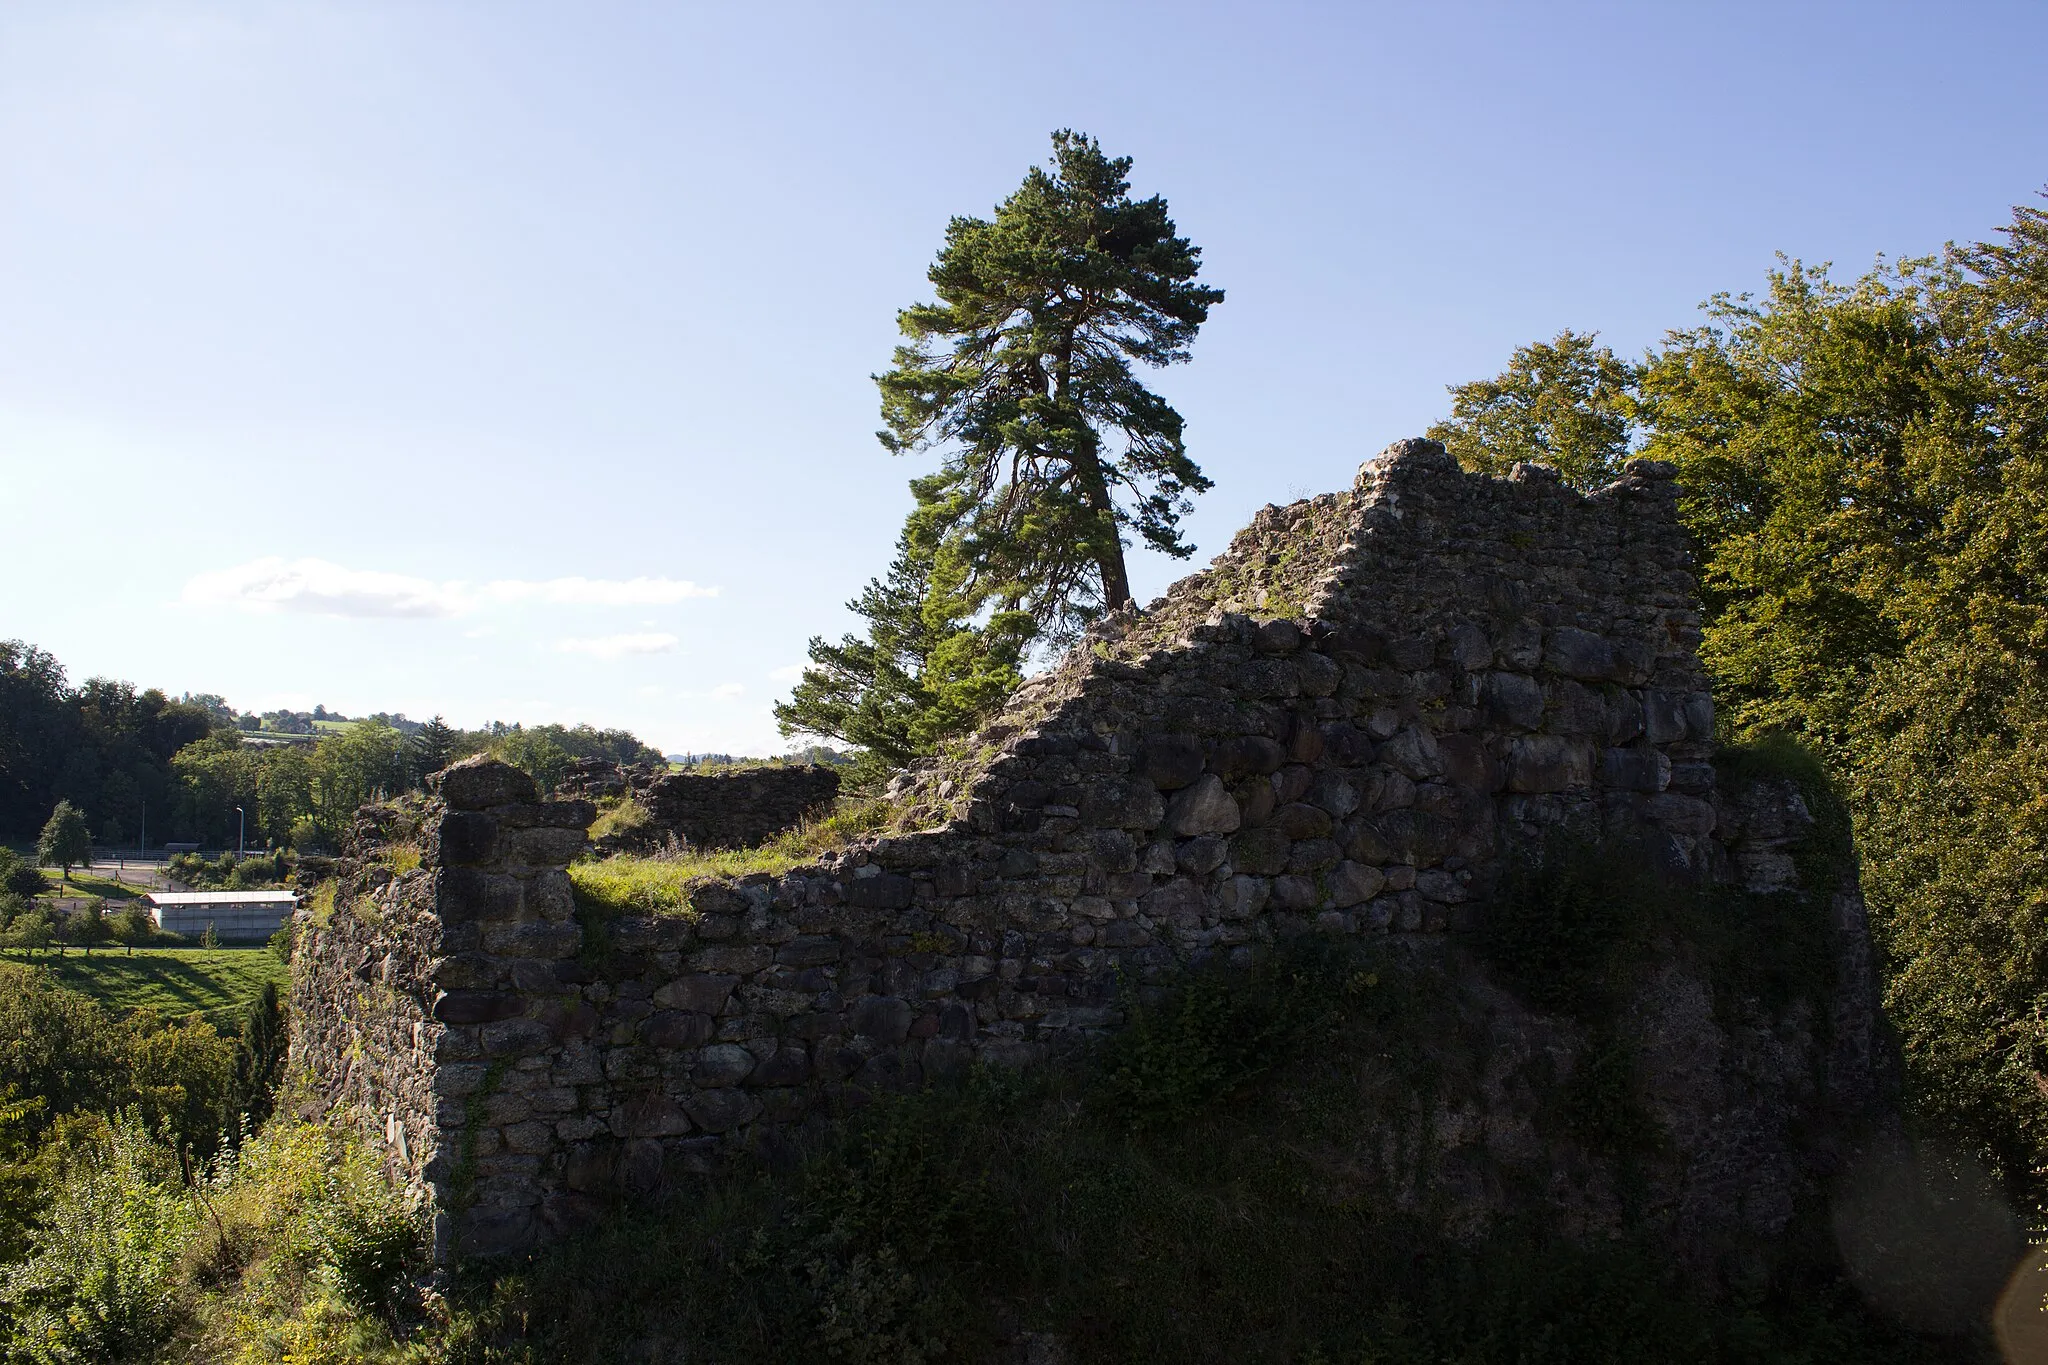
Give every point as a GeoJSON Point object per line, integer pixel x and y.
{"type": "Point", "coordinates": [1116, 579]}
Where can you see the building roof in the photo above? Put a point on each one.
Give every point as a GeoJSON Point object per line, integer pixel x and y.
{"type": "Point", "coordinates": [174, 898]}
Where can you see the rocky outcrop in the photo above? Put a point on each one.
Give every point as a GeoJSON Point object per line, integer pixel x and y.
{"type": "Point", "coordinates": [1350, 725]}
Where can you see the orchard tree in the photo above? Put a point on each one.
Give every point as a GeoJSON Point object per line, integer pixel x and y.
{"type": "Point", "coordinates": [1023, 374]}
{"type": "Point", "coordinates": [65, 841]}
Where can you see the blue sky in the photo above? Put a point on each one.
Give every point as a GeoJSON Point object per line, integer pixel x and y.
{"type": "Point", "coordinates": [511, 361]}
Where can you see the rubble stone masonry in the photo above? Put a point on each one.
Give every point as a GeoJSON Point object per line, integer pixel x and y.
{"type": "Point", "coordinates": [1344, 726]}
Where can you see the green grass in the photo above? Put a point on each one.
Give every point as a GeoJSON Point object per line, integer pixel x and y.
{"type": "Point", "coordinates": [661, 884]}
{"type": "Point", "coordinates": [619, 817]}
{"type": "Point", "coordinates": [216, 982]}
{"type": "Point", "coordinates": [91, 884]}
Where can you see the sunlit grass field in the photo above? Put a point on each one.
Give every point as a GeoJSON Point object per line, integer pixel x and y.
{"type": "Point", "coordinates": [216, 982]}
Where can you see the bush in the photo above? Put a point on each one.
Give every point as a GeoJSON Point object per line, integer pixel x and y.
{"type": "Point", "coordinates": [101, 1279]}
{"type": "Point", "coordinates": [19, 878]}
{"type": "Point", "coordinates": [1212, 1035]}
{"type": "Point", "coordinates": [1563, 919]}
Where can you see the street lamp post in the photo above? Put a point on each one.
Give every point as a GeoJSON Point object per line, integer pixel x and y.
{"type": "Point", "coordinates": [241, 832]}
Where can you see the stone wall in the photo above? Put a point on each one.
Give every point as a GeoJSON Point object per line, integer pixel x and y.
{"type": "Point", "coordinates": [734, 809]}
{"type": "Point", "coordinates": [739, 809]}
{"type": "Point", "coordinates": [1344, 726]}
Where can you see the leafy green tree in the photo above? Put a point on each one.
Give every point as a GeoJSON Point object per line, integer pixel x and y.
{"type": "Point", "coordinates": [1567, 403]}
{"type": "Point", "coordinates": [1865, 469]}
{"type": "Point", "coordinates": [132, 925]}
{"type": "Point", "coordinates": [924, 672]}
{"type": "Point", "coordinates": [58, 1045]}
{"type": "Point", "coordinates": [32, 931]}
{"type": "Point", "coordinates": [353, 767]}
{"type": "Point", "coordinates": [65, 841]}
{"type": "Point", "coordinates": [89, 927]}
{"type": "Point", "coordinates": [535, 754]}
{"type": "Point", "coordinates": [18, 878]}
{"type": "Point", "coordinates": [284, 790]}
{"type": "Point", "coordinates": [1023, 373]}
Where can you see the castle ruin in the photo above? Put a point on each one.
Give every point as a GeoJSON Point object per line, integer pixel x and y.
{"type": "Point", "coordinates": [1348, 725]}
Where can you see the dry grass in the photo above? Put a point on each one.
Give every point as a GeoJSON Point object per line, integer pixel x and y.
{"type": "Point", "coordinates": [661, 884]}
{"type": "Point", "coordinates": [619, 817]}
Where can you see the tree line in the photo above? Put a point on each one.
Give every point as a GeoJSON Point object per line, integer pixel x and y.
{"type": "Point", "coordinates": [119, 756]}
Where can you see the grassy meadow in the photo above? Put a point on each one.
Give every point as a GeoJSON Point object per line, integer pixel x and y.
{"type": "Point", "coordinates": [216, 982]}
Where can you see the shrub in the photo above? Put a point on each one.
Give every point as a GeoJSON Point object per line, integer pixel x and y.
{"type": "Point", "coordinates": [19, 878]}
{"type": "Point", "coordinates": [101, 1279]}
{"type": "Point", "coordinates": [1562, 919]}
{"type": "Point", "coordinates": [369, 1236]}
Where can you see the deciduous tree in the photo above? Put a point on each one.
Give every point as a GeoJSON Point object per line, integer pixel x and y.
{"type": "Point", "coordinates": [65, 841]}
{"type": "Point", "coordinates": [1567, 403]}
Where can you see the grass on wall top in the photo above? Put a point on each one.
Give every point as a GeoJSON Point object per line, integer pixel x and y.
{"type": "Point", "coordinates": [661, 884]}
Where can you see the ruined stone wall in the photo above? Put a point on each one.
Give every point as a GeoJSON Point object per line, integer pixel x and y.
{"type": "Point", "coordinates": [739, 809]}
{"type": "Point", "coordinates": [1345, 725]}
{"type": "Point", "coordinates": [735, 809]}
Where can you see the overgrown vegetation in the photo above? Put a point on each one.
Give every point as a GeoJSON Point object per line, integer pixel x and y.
{"type": "Point", "coordinates": [1184, 1196]}
{"type": "Point", "coordinates": [229, 873]}
{"type": "Point", "coordinates": [1865, 466]}
{"type": "Point", "coordinates": [661, 883]}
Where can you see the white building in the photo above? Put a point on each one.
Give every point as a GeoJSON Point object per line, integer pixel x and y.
{"type": "Point", "coordinates": [234, 915]}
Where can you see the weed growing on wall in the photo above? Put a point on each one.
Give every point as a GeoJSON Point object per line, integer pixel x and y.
{"type": "Point", "coordinates": [1566, 918]}
{"type": "Point", "coordinates": [661, 883]}
{"type": "Point", "coordinates": [956, 1222]}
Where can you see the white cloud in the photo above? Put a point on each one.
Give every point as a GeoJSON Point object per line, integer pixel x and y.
{"type": "Point", "coordinates": [726, 691]}
{"type": "Point", "coordinates": [597, 592]}
{"type": "Point", "coordinates": [321, 588]}
{"type": "Point", "coordinates": [789, 674]}
{"type": "Point", "coordinates": [618, 646]}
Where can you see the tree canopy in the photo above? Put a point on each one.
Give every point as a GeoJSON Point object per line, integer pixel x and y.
{"type": "Point", "coordinates": [1023, 373]}
{"type": "Point", "coordinates": [65, 842]}
{"type": "Point", "coordinates": [1865, 467]}
{"type": "Point", "coordinates": [1567, 403]}
{"type": "Point", "coordinates": [925, 670]}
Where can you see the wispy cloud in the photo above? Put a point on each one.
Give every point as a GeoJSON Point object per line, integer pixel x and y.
{"type": "Point", "coordinates": [619, 646]}
{"type": "Point", "coordinates": [726, 691]}
{"type": "Point", "coordinates": [597, 592]}
{"type": "Point", "coordinates": [322, 588]}
{"type": "Point", "coordinates": [787, 674]}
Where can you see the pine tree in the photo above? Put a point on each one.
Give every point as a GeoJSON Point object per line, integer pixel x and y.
{"type": "Point", "coordinates": [260, 1056]}
{"type": "Point", "coordinates": [429, 749]}
{"type": "Point", "coordinates": [926, 670]}
{"type": "Point", "coordinates": [1022, 374]}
